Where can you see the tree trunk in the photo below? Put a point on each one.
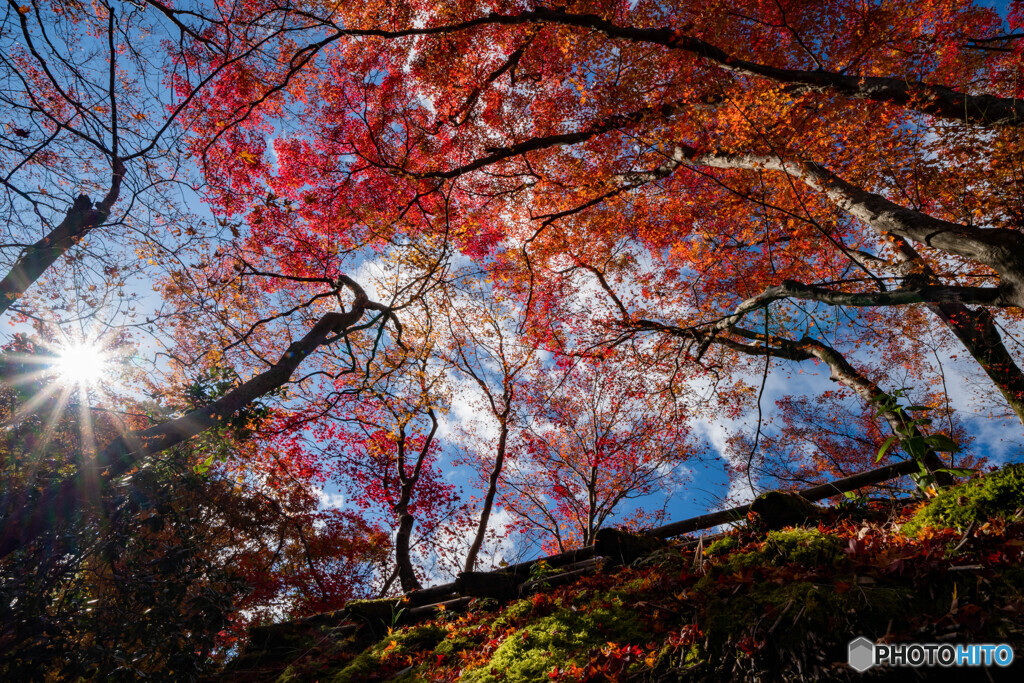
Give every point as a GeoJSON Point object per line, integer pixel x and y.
{"type": "Point", "coordinates": [847, 375]}
{"type": "Point", "coordinates": [977, 331]}
{"type": "Point", "coordinates": [406, 573]}
{"type": "Point", "coordinates": [35, 259]}
{"type": "Point", "coordinates": [492, 489]}
{"type": "Point", "coordinates": [27, 518]}
{"type": "Point", "coordinates": [975, 328]}
{"type": "Point", "coordinates": [1001, 249]}
{"type": "Point", "coordinates": [903, 90]}
{"type": "Point", "coordinates": [403, 537]}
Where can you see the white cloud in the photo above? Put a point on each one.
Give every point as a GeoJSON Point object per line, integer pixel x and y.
{"type": "Point", "coordinates": [329, 500]}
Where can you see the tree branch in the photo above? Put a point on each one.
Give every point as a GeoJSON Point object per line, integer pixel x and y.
{"type": "Point", "coordinates": [27, 519]}
{"type": "Point", "coordinates": [998, 248]}
{"type": "Point", "coordinates": [80, 219]}
{"type": "Point", "coordinates": [905, 91]}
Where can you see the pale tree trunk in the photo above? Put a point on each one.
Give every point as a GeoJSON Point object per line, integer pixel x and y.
{"type": "Point", "coordinates": [975, 328]}
{"type": "Point", "coordinates": [843, 372]}
{"type": "Point", "coordinates": [1000, 249]}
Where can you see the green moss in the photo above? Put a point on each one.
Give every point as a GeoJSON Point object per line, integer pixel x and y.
{"type": "Point", "coordinates": [383, 608]}
{"type": "Point", "coordinates": [289, 675]}
{"type": "Point", "coordinates": [646, 582]}
{"type": "Point", "coordinates": [673, 659]}
{"type": "Point", "coordinates": [358, 669]}
{"type": "Point", "coordinates": [406, 641]}
{"type": "Point", "coordinates": [530, 653]}
{"type": "Point", "coordinates": [327, 650]}
{"type": "Point", "coordinates": [450, 646]}
{"type": "Point", "coordinates": [513, 613]}
{"type": "Point", "coordinates": [487, 605]}
{"type": "Point", "coordinates": [727, 617]}
{"type": "Point", "coordinates": [666, 558]}
{"type": "Point", "coordinates": [808, 547]}
{"type": "Point", "coordinates": [722, 546]}
{"type": "Point", "coordinates": [998, 494]}
{"type": "Point", "coordinates": [624, 547]}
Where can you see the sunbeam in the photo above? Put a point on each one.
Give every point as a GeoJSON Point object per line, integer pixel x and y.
{"type": "Point", "coordinates": [81, 364]}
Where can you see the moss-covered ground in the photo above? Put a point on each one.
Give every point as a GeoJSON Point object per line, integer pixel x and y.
{"type": "Point", "coordinates": [755, 605]}
{"type": "Point", "coordinates": [996, 496]}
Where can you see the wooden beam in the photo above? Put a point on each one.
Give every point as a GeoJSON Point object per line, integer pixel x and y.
{"type": "Point", "coordinates": [812, 494]}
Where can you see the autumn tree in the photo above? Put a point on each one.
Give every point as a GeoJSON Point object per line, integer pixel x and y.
{"type": "Point", "coordinates": [785, 165]}
{"type": "Point", "coordinates": [708, 194]}
{"type": "Point", "coordinates": [88, 115]}
{"type": "Point", "coordinates": [383, 452]}
{"type": "Point", "coordinates": [595, 437]}
{"type": "Point", "coordinates": [93, 517]}
{"type": "Point", "coordinates": [164, 567]}
{"type": "Point", "coordinates": [487, 347]}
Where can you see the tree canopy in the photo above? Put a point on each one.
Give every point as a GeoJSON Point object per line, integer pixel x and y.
{"type": "Point", "coordinates": [386, 289]}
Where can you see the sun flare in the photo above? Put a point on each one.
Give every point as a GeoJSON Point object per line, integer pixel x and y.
{"type": "Point", "coordinates": [81, 364]}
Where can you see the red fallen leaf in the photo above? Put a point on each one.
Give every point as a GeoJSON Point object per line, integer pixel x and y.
{"type": "Point", "coordinates": [842, 586]}
{"type": "Point", "coordinates": [750, 645]}
{"type": "Point", "coordinates": [971, 616]}
{"type": "Point", "coordinates": [856, 547]}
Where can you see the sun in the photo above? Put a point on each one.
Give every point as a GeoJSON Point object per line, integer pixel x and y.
{"type": "Point", "coordinates": [81, 363]}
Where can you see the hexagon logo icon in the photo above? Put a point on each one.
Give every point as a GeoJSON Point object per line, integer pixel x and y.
{"type": "Point", "coordinates": [861, 654]}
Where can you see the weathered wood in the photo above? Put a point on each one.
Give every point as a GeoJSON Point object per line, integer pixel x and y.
{"type": "Point", "coordinates": [702, 522]}
{"type": "Point", "coordinates": [692, 542]}
{"type": "Point", "coordinates": [385, 610]}
{"type": "Point", "coordinates": [612, 543]}
{"type": "Point", "coordinates": [623, 547]}
{"type": "Point", "coordinates": [427, 611]}
{"type": "Point", "coordinates": [861, 480]}
{"type": "Point", "coordinates": [593, 562]}
{"type": "Point", "coordinates": [556, 580]}
{"type": "Point", "coordinates": [779, 509]}
{"type": "Point", "coordinates": [498, 585]}
{"type": "Point", "coordinates": [426, 596]}
{"type": "Point", "coordinates": [558, 560]}
{"type": "Point", "coordinates": [331, 618]}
